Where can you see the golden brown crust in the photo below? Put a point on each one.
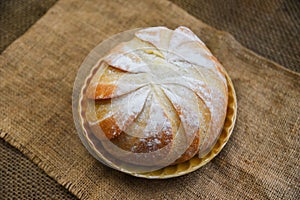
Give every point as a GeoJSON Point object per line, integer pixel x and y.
{"type": "Point", "coordinates": [110, 128]}
{"type": "Point", "coordinates": [136, 145]}
{"type": "Point", "coordinates": [104, 83]}
{"type": "Point", "coordinates": [101, 91]}
{"type": "Point", "coordinates": [191, 151]}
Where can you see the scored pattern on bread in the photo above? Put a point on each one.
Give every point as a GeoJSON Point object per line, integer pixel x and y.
{"type": "Point", "coordinates": [158, 99]}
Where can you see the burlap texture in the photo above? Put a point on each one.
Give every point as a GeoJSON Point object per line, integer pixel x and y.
{"type": "Point", "coordinates": [37, 72]}
{"type": "Point", "coordinates": [20, 178]}
{"type": "Point", "coordinates": [16, 16]}
{"type": "Point", "coordinates": [269, 28]}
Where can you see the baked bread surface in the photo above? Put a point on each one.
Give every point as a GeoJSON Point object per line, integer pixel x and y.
{"type": "Point", "coordinates": [158, 99]}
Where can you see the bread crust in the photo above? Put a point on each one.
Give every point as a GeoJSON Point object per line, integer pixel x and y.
{"type": "Point", "coordinates": [163, 92]}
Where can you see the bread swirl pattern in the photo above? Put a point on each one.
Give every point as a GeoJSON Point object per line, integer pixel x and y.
{"type": "Point", "coordinates": [158, 99]}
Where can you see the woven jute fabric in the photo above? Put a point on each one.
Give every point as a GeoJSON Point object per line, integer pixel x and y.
{"type": "Point", "coordinates": [37, 72]}
{"type": "Point", "coordinates": [270, 28]}
{"type": "Point", "coordinates": [17, 16]}
{"type": "Point", "coordinates": [20, 178]}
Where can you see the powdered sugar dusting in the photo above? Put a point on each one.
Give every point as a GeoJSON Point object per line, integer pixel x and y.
{"type": "Point", "coordinates": [157, 36]}
{"type": "Point", "coordinates": [124, 58]}
{"type": "Point", "coordinates": [175, 64]}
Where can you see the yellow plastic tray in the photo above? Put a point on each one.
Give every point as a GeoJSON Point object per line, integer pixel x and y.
{"type": "Point", "coordinates": [194, 163]}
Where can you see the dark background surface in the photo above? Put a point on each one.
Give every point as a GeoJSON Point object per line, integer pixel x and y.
{"type": "Point", "coordinates": [269, 28]}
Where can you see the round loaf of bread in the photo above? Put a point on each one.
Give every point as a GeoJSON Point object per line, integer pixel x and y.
{"type": "Point", "coordinates": [158, 99]}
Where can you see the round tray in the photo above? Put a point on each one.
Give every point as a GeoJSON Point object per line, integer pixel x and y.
{"type": "Point", "coordinates": [90, 143]}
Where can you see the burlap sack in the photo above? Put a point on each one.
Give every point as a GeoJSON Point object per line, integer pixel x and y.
{"type": "Point", "coordinates": [261, 160]}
